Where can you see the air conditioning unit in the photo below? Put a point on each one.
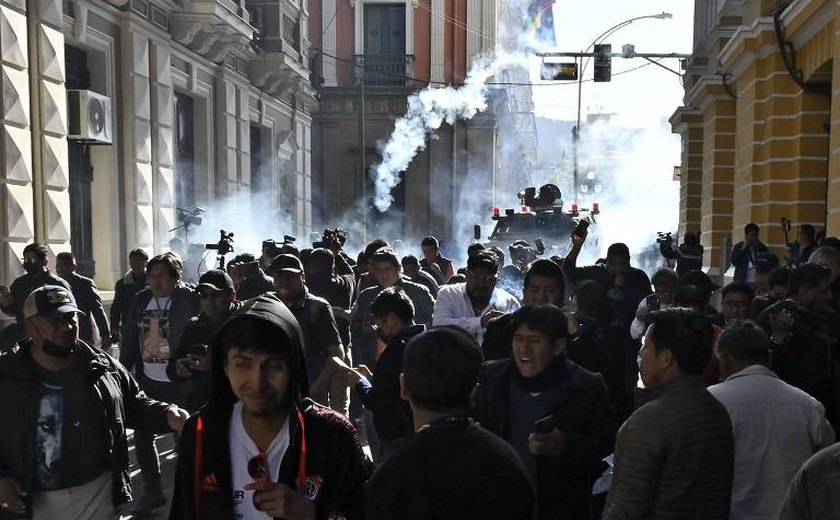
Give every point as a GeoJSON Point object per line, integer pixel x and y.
{"type": "Point", "coordinates": [90, 117]}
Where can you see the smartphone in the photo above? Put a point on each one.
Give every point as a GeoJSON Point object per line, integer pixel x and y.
{"type": "Point", "coordinates": [340, 362]}
{"type": "Point", "coordinates": [544, 425]}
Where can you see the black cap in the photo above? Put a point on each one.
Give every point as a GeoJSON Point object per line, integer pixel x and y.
{"type": "Point", "coordinates": [49, 301]}
{"type": "Point", "coordinates": [286, 263]}
{"type": "Point", "coordinates": [216, 280]}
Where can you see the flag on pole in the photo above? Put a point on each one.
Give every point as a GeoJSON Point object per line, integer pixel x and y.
{"type": "Point", "coordinates": [542, 20]}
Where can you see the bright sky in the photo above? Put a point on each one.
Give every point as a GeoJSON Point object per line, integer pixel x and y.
{"type": "Point", "coordinates": [639, 98]}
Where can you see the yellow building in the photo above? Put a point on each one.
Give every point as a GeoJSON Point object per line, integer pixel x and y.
{"type": "Point", "coordinates": [762, 95]}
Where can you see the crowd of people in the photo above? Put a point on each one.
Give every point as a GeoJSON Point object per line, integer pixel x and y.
{"type": "Point", "coordinates": [307, 384]}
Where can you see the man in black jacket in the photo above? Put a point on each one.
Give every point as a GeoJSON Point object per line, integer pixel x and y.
{"type": "Point", "coordinates": [554, 413]}
{"type": "Point", "coordinates": [189, 364]}
{"type": "Point", "coordinates": [745, 255]}
{"type": "Point", "coordinates": [260, 445]}
{"type": "Point", "coordinates": [150, 332]}
{"type": "Point", "coordinates": [68, 406]}
{"type": "Point", "coordinates": [126, 289]}
{"type": "Point", "coordinates": [87, 298]}
{"type": "Point", "coordinates": [452, 468]}
{"type": "Point", "coordinates": [36, 265]}
{"type": "Point", "coordinates": [379, 390]}
{"type": "Point", "coordinates": [254, 281]}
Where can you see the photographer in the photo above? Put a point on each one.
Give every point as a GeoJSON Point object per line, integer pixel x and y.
{"type": "Point", "coordinates": [323, 281]}
{"type": "Point", "coordinates": [745, 254]}
{"type": "Point", "coordinates": [804, 332]}
{"type": "Point", "coordinates": [253, 281]}
{"type": "Point", "coordinates": [334, 240]}
{"type": "Point", "coordinates": [689, 254]}
{"type": "Point", "coordinates": [512, 276]}
{"type": "Point", "coordinates": [664, 282]}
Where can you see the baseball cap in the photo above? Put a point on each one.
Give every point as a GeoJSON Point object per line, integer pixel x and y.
{"type": "Point", "coordinates": [286, 263]}
{"type": "Point", "coordinates": [49, 301]}
{"type": "Point", "coordinates": [216, 280]}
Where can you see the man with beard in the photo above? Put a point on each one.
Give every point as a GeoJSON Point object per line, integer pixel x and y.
{"type": "Point", "coordinates": [261, 448]}
{"type": "Point", "coordinates": [87, 298]}
{"type": "Point", "coordinates": [36, 265]}
{"type": "Point", "coordinates": [64, 447]}
{"type": "Point", "coordinates": [555, 414]}
{"type": "Point", "coordinates": [543, 284]}
{"type": "Point", "coordinates": [151, 331]}
{"type": "Point", "coordinates": [473, 304]}
{"type": "Point", "coordinates": [804, 332]}
{"type": "Point", "coordinates": [189, 364]}
{"type": "Point", "coordinates": [321, 340]}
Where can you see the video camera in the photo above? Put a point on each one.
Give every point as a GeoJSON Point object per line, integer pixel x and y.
{"type": "Point", "coordinates": [664, 238]}
{"type": "Point", "coordinates": [222, 247]}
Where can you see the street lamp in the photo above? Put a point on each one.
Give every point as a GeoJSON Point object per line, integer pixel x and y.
{"type": "Point", "coordinates": [601, 37]}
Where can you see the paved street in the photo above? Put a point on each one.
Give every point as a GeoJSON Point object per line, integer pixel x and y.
{"type": "Point", "coordinates": [168, 458]}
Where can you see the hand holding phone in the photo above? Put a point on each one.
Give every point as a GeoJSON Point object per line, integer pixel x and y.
{"type": "Point", "coordinates": [544, 425]}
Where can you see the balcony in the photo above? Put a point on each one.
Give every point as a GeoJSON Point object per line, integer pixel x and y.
{"type": "Point", "coordinates": [384, 71]}
{"type": "Point", "coordinates": [213, 28]}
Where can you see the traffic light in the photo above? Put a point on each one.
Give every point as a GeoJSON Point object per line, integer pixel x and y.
{"type": "Point", "coordinates": [559, 72]}
{"type": "Point", "coordinates": [603, 62]}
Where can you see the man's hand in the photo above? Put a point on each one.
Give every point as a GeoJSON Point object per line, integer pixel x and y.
{"type": "Point", "coordinates": [489, 315]}
{"type": "Point", "coordinates": [10, 496]}
{"type": "Point", "coordinates": [182, 367]}
{"type": "Point", "coordinates": [642, 314]}
{"type": "Point", "coordinates": [578, 240]}
{"type": "Point", "coordinates": [176, 417]}
{"type": "Point", "coordinates": [547, 444]}
{"type": "Point", "coordinates": [281, 501]}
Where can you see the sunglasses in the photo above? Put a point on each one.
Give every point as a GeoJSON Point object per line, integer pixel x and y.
{"type": "Point", "coordinates": [258, 467]}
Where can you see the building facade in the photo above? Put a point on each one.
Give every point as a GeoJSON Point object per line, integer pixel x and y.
{"type": "Point", "coordinates": [761, 106]}
{"type": "Point", "coordinates": [115, 113]}
{"type": "Point", "coordinates": [368, 57]}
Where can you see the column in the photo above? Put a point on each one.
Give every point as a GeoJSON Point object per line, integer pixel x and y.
{"type": "Point", "coordinates": [833, 196]}
{"type": "Point", "coordinates": [49, 124]}
{"type": "Point", "coordinates": [17, 217]}
{"type": "Point", "coordinates": [688, 122]}
{"type": "Point", "coordinates": [137, 132]}
{"type": "Point", "coordinates": [329, 23]}
{"type": "Point", "coordinates": [162, 102]}
{"type": "Point", "coordinates": [438, 10]}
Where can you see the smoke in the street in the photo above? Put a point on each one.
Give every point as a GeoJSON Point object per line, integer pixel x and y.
{"type": "Point", "coordinates": [427, 110]}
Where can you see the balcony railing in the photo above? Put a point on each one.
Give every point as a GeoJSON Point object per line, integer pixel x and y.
{"type": "Point", "coordinates": [379, 70]}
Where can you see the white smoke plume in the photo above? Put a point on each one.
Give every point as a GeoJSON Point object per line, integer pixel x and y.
{"type": "Point", "coordinates": [427, 110]}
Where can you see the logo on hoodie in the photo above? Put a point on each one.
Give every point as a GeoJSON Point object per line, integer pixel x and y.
{"type": "Point", "coordinates": [312, 486]}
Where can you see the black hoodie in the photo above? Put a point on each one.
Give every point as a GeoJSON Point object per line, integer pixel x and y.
{"type": "Point", "coordinates": [336, 467]}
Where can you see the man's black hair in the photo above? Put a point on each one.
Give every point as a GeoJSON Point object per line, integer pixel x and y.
{"type": "Point", "coordinates": [138, 252]}
{"type": "Point", "coordinates": [778, 276]}
{"type": "Point", "coordinates": [374, 246]}
{"type": "Point", "coordinates": [691, 239]}
{"type": "Point", "coordinates": [829, 254]}
{"type": "Point", "coordinates": [807, 276]}
{"type": "Point", "coordinates": [750, 228]}
{"type": "Point", "coordinates": [545, 318]}
{"type": "Point", "coordinates": [549, 269]}
{"type": "Point", "coordinates": [40, 250]}
{"type": "Point", "coordinates": [245, 258]}
{"type": "Point", "coordinates": [394, 300]}
{"type": "Point", "coordinates": [473, 249]}
{"type": "Point", "coordinates": [410, 260]}
{"type": "Point", "coordinates": [321, 260]}
{"type": "Point", "coordinates": [66, 255]}
{"type": "Point", "coordinates": [441, 368]}
{"type": "Point", "coordinates": [686, 333]}
{"type": "Point", "coordinates": [386, 254]}
{"type": "Point", "coordinates": [744, 341]}
{"type": "Point", "coordinates": [483, 259]}
{"type": "Point", "coordinates": [618, 249]}
{"type": "Point", "coordinates": [738, 287]}
{"type": "Point", "coordinates": [500, 255]}
{"type": "Point", "coordinates": [832, 242]}
{"type": "Point", "coordinates": [255, 335]}
{"type": "Point", "coordinates": [664, 277]}
{"type": "Point", "coordinates": [171, 261]}
{"type": "Point", "coordinates": [430, 241]}
{"type": "Point", "coordinates": [809, 231]}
